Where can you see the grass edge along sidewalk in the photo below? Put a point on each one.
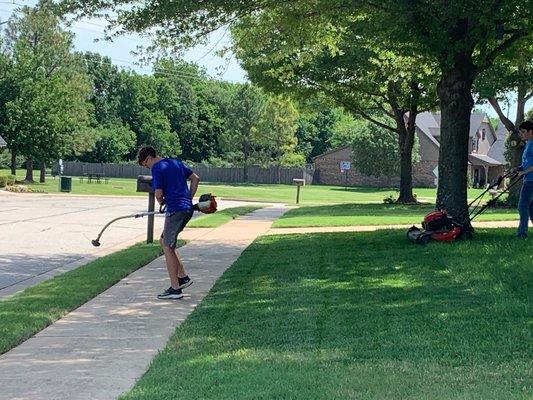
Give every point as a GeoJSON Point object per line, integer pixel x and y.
{"type": "Point", "coordinates": [36, 307]}
{"type": "Point", "coordinates": [363, 315]}
{"type": "Point", "coordinates": [372, 214]}
{"type": "Point", "coordinates": [222, 216]}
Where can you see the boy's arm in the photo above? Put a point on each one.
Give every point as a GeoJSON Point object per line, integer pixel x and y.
{"type": "Point", "coordinates": [157, 184]}
{"type": "Point", "coordinates": [525, 171]}
{"type": "Point", "coordinates": [527, 165]}
{"type": "Point", "coordinates": [159, 195]}
{"type": "Point", "coordinates": [195, 180]}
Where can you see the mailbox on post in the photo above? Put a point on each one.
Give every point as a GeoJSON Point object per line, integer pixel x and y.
{"type": "Point", "coordinates": [299, 183]}
{"type": "Point", "coordinates": [144, 184]}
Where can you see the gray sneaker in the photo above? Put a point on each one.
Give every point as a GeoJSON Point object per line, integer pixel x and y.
{"type": "Point", "coordinates": [171, 294]}
{"type": "Point", "coordinates": [184, 282]}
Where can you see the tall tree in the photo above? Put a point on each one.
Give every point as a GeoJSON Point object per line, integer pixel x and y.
{"type": "Point", "coordinates": [105, 82]}
{"type": "Point", "coordinates": [512, 75]}
{"type": "Point", "coordinates": [353, 69]}
{"type": "Point", "coordinates": [246, 110]}
{"type": "Point", "coordinates": [462, 37]}
{"type": "Point", "coordinates": [49, 93]}
{"type": "Point", "coordinates": [276, 133]}
{"type": "Point", "coordinates": [113, 144]}
{"type": "Point", "coordinates": [316, 126]}
{"type": "Point", "coordinates": [177, 80]}
{"type": "Point", "coordinates": [376, 151]}
{"type": "Point", "coordinates": [140, 110]}
{"type": "Point", "coordinates": [7, 94]}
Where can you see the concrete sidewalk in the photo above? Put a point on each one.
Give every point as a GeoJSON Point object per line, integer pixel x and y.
{"type": "Point", "coordinates": [372, 228]}
{"type": "Point", "coordinates": [99, 350]}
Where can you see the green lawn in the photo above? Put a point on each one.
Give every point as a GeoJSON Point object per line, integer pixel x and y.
{"type": "Point", "coordinates": [115, 186]}
{"type": "Point", "coordinates": [358, 316]}
{"type": "Point", "coordinates": [311, 194]}
{"type": "Point", "coordinates": [371, 214]}
{"type": "Point", "coordinates": [221, 217]}
{"type": "Point", "coordinates": [35, 308]}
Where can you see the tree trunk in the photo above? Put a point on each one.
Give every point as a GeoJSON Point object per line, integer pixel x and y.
{"type": "Point", "coordinates": [405, 141]}
{"type": "Point", "coordinates": [246, 156]}
{"type": "Point", "coordinates": [406, 177]}
{"type": "Point", "coordinates": [514, 142]}
{"type": "Point", "coordinates": [29, 171]}
{"type": "Point", "coordinates": [516, 146]}
{"type": "Point", "coordinates": [455, 93]}
{"type": "Point", "coordinates": [13, 162]}
{"type": "Point", "coordinates": [42, 177]}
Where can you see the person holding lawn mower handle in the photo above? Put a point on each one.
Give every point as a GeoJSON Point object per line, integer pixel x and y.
{"type": "Point", "coordinates": [169, 180]}
{"type": "Point", "coordinates": [525, 204]}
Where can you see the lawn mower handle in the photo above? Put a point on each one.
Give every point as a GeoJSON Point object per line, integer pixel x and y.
{"type": "Point", "coordinates": [512, 174]}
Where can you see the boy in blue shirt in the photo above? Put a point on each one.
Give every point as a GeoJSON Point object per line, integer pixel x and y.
{"type": "Point", "coordinates": [169, 180]}
{"type": "Point", "coordinates": [525, 204]}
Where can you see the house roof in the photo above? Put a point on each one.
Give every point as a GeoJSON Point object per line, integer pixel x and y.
{"type": "Point", "coordinates": [426, 122]}
{"type": "Point", "coordinates": [477, 159]}
{"type": "Point", "coordinates": [429, 123]}
{"type": "Point", "coordinates": [331, 151]}
{"type": "Point", "coordinates": [2, 142]}
{"type": "Point", "coordinates": [497, 150]}
{"type": "Point", "coordinates": [476, 120]}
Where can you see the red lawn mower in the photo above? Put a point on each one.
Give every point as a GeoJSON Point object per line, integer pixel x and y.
{"type": "Point", "coordinates": [440, 226]}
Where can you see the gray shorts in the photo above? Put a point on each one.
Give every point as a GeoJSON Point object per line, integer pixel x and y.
{"type": "Point", "coordinates": [174, 224]}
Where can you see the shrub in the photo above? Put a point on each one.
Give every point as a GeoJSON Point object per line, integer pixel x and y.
{"type": "Point", "coordinates": [11, 180]}
{"type": "Point", "coordinates": [23, 189]}
{"type": "Point", "coordinates": [390, 199]}
{"type": "Point", "coordinates": [3, 181]}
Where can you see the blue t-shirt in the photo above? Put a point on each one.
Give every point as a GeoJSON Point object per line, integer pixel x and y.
{"type": "Point", "coordinates": [527, 160]}
{"type": "Point", "coordinates": [171, 175]}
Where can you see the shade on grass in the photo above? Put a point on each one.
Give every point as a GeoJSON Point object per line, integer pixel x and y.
{"type": "Point", "coordinates": [358, 316]}
{"type": "Point", "coordinates": [30, 311]}
{"type": "Point", "coordinates": [221, 217]}
{"type": "Point", "coordinates": [372, 214]}
{"type": "Point", "coordinates": [310, 194]}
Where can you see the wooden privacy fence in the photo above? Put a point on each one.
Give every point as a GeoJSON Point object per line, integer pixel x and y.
{"type": "Point", "coordinates": [256, 174]}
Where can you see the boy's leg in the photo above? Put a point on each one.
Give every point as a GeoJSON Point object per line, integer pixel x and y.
{"type": "Point", "coordinates": [524, 207]}
{"type": "Point", "coordinates": [531, 211]}
{"type": "Point", "coordinates": [172, 264]}
{"type": "Point", "coordinates": [181, 269]}
{"type": "Point", "coordinates": [174, 224]}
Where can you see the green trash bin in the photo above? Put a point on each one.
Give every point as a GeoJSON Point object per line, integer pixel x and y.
{"type": "Point", "coordinates": [66, 183]}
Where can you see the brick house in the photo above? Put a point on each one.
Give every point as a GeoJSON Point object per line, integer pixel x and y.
{"type": "Point", "coordinates": [486, 156]}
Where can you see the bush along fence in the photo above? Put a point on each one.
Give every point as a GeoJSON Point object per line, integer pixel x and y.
{"type": "Point", "coordinates": [253, 174]}
{"type": "Point", "coordinates": [8, 180]}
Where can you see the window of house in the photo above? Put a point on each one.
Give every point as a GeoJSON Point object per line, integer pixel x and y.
{"type": "Point", "coordinates": [474, 144]}
{"type": "Point", "coordinates": [483, 134]}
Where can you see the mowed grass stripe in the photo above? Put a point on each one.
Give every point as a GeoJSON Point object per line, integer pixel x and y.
{"type": "Point", "coordinates": [372, 214]}
{"type": "Point", "coordinates": [221, 217]}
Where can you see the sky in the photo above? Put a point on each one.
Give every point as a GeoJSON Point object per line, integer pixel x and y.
{"type": "Point", "coordinates": [87, 30]}
{"type": "Point", "coordinates": [120, 52]}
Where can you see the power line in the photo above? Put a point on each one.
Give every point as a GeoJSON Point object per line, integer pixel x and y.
{"type": "Point", "coordinates": [165, 71]}
{"type": "Point", "coordinates": [214, 46]}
